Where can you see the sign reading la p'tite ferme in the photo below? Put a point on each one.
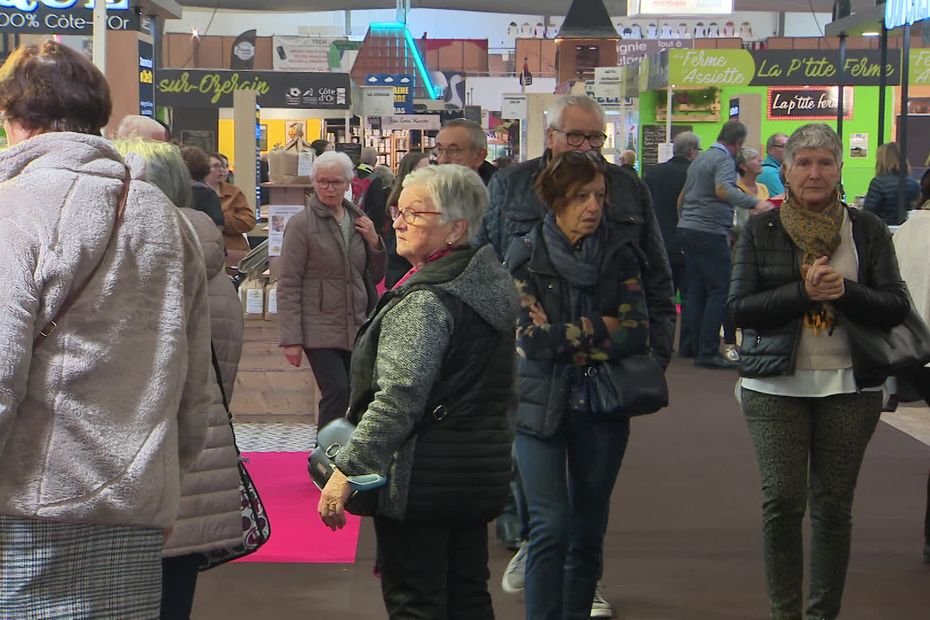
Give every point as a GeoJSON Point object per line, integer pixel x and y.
{"type": "Point", "coordinates": [808, 103]}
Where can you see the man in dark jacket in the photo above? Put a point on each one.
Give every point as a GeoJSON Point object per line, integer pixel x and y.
{"type": "Point", "coordinates": [665, 182]}
{"type": "Point", "coordinates": [463, 141]}
{"type": "Point", "coordinates": [576, 123]}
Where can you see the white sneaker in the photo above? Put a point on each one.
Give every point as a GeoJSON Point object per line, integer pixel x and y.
{"type": "Point", "coordinates": [730, 352]}
{"type": "Point", "coordinates": [514, 579]}
{"type": "Point", "coordinates": [600, 608]}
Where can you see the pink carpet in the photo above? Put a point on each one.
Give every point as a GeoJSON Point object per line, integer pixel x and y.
{"type": "Point", "coordinates": [297, 534]}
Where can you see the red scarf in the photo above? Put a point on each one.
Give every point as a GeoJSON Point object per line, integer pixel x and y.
{"type": "Point", "coordinates": [432, 257]}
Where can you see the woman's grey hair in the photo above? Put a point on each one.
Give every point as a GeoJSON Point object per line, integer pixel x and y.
{"type": "Point", "coordinates": [813, 136]}
{"type": "Point", "coordinates": [456, 191]}
{"type": "Point", "coordinates": [684, 142]}
{"type": "Point", "coordinates": [384, 173]}
{"type": "Point", "coordinates": [557, 110]}
{"type": "Point", "coordinates": [334, 159]}
{"type": "Point", "coordinates": [164, 168]}
{"type": "Point", "coordinates": [745, 154]}
{"type": "Point", "coordinates": [476, 135]}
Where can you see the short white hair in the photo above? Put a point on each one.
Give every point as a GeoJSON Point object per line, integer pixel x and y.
{"type": "Point", "coordinates": [455, 191]}
{"type": "Point", "coordinates": [136, 126]}
{"type": "Point", "coordinates": [334, 159]}
{"type": "Point", "coordinates": [557, 110]}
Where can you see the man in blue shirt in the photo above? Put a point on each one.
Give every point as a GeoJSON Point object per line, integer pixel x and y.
{"type": "Point", "coordinates": [707, 201]}
{"type": "Point", "coordinates": [771, 167]}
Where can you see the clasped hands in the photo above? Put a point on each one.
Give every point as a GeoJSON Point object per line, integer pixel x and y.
{"type": "Point", "coordinates": [539, 318]}
{"type": "Point", "coordinates": [822, 282]}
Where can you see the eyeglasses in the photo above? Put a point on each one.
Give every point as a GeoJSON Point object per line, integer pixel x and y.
{"type": "Point", "coordinates": [410, 215]}
{"type": "Point", "coordinates": [576, 138]}
{"type": "Point", "coordinates": [779, 146]}
{"type": "Point", "coordinates": [452, 151]}
{"type": "Point", "coordinates": [324, 183]}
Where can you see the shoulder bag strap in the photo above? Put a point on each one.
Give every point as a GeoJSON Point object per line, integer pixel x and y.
{"type": "Point", "coordinates": [52, 324]}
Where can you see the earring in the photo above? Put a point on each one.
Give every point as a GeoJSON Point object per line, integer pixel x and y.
{"type": "Point", "coordinates": [448, 243]}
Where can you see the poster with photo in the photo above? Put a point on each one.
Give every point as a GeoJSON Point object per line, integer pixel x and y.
{"type": "Point", "coordinates": [278, 216]}
{"type": "Point", "coordinates": [858, 145]}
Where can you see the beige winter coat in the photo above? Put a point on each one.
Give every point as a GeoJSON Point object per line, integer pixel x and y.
{"type": "Point", "coordinates": [97, 424]}
{"type": "Point", "coordinates": [210, 516]}
{"type": "Point", "coordinates": [323, 297]}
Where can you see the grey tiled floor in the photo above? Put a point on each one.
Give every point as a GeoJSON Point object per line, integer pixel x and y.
{"type": "Point", "coordinates": [275, 437]}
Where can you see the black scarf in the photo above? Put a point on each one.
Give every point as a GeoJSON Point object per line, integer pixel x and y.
{"type": "Point", "coordinates": [578, 265]}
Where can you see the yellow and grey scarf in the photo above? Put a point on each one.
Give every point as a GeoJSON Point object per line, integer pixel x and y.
{"type": "Point", "coordinates": [816, 234]}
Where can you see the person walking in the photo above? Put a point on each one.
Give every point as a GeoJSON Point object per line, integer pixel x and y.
{"type": "Point", "coordinates": [708, 199]}
{"type": "Point", "coordinates": [770, 176]}
{"type": "Point", "coordinates": [882, 197]}
{"type": "Point", "coordinates": [432, 384]}
{"type": "Point", "coordinates": [330, 260]}
{"type": "Point", "coordinates": [802, 273]}
{"type": "Point", "coordinates": [577, 123]}
{"type": "Point", "coordinates": [397, 265]}
{"type": "Point", "coordinates": [104, 371]}
{"type": "Point", "coordinates": [582, 303]}
{"type": "Point", "coordinates": [665, 183]}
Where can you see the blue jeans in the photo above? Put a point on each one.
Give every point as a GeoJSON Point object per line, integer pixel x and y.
{"type": "Point", "coordinates": [707, 277]}
{"type": "Point", "coordinates": [568, 480]}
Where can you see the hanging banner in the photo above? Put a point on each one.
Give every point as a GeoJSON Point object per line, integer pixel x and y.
{"type": "Point", "coordinates": [712, 67]}
{"type": "Point", "coordinates": [607, 82]}
{"type": "Point", "coordinates": [242, 55]}
{"type": "Point", "coordinates": [302, 53]}
{"type": "Point", "coordinates": [199, 88]}
{"type": "Point", "coordinates": [62, 16]}
{"type": "Point", "coordinates": [403, 89]}
{"type": "Point", "coordinates": [377, 100]}
{"type": "Point", "coordinates": [630, 51]}
{"type": "Point", "coordinates": [514, 107]}
{"type": "Point", "coordinates": [808, 103]}
{"type": "Point", "coordinates": [679, 7]}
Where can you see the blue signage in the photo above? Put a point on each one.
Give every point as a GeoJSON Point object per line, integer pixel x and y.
{"type": "Point", "coordinates": [403, 89]}
{"type": "Point", "coordinates": [905, 12]}
{"type": "Point", "coordinates": [62, 16]}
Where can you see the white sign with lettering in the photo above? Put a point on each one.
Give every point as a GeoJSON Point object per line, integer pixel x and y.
{"type": "Point", "coordinates": [411, 121]}
{"type": "Point", "coordinates": [514, 107]}
{"type": "Point", "coordinates": [377, 100]}
{"type": "Point", "coordinates": [679, 7]}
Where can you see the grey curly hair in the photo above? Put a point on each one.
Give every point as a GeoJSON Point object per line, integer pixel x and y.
{"type": "Point", "coordinates": [813, 136]}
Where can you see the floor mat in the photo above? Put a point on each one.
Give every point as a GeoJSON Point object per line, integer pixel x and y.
{"type": "Point", "coordinates": [297, 534]}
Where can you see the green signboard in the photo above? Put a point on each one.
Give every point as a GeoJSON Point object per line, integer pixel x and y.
{"type": "Point", "coordinates": [919, 71]}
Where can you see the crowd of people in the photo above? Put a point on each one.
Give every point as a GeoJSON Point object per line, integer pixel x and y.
{"type": "Point", "coordinates": [483, 384]}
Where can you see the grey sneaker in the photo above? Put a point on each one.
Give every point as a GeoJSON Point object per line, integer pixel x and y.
{"type": "Point", "coordinates": [600, 608]}
{"type": "Point", "coordinates": [514, 579]}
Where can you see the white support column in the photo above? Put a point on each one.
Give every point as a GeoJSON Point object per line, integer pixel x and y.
{"type": "Point", "coordinates": [100, 35]}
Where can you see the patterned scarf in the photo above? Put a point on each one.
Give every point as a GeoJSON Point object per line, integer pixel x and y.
{"type": "Point", "coordinates": [816, 234]}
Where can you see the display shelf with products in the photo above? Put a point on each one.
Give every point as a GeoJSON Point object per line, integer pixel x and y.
{"type": "Point", "coordinates": [394, 145]}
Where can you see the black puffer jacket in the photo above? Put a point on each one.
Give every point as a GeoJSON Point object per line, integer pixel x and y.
{"type": "Point", "coordinates": [767, 297]}
{"type": "Point", "coordinates": [515, 209]}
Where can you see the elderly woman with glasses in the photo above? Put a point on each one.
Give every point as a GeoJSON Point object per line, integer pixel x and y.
{"type": "Point", "coordinates": [583, 304]}
{"type": "Point", "coordinates": [801, 275]}
{"type": "Point", "coordinates": [330, 260]}
{"type": "Point", "coordinates": [432, 383]}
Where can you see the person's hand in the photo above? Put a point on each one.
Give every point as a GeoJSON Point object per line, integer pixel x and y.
{"type": "Point", "coordinates": [822, 282]}
{"type": "Point", "coordinates": [366, 228]}
{"type": "Point", "coordinates": [538, 315]}
{"type": "Point", "coordinates": [612, 323]}
{"type": "Point", "coordinates": [761, 207]}
{"type": "Point", "coordinates": [294, 355]}
{"type": "Point", "coordinates": [333, 500]}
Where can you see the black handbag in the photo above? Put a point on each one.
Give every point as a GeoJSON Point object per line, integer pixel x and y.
{"type": "Point", "coordinates": [330, 440]}
{"type": "Point", "coordinates": [634, 385]}
{"type": "Point", "coordinates": [881, 352]}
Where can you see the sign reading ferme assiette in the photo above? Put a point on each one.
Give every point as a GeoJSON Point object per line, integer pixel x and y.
{"type": "Point", "coordinates": [778, 68]}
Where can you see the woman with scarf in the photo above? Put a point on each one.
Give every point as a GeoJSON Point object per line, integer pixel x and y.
{"type": "Point", "coordinates": [582, 303]}
{"type": "Point", "coordinates": [801, 275]}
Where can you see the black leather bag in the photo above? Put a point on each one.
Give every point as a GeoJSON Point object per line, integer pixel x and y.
{"type": "Point", "coordinates": [330, 440]}
{"type": "Point", "coordinates": [634, 385]}
{"type": "Point", "coordinates": [880, 352]}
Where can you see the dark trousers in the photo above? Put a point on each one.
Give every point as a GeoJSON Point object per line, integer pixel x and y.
{"type": "Point", "coordinates": [434, 573]}
{"type": "Point", "coordinates": [178, 583]}
{"type": "Point", "coordinates": [568, 480]}
{"type": "Point", "coordinates": [707, 277]}
{"type": "Point", "coordinates": [331, 371]}
{"type": "Point", "coordinates": [809, 451]}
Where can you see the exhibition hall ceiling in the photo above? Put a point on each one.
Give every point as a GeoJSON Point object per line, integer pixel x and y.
{"type": "Point", "coordinates": [518, 7]}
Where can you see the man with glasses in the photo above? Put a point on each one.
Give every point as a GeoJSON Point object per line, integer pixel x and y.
{"type": "Point", "coordinates": [576, 123]}
{"type": "Point", "coordinates": [462, 141]}
{"type": "Point", "coordinates": [771, 167]}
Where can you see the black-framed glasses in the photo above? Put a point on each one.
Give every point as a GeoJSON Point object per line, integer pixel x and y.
{"type": "Point", "coordinates": [410, 215]}
{"type": "Point", "coordinates": [577, 138]}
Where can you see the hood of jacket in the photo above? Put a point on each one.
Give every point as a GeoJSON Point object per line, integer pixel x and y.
{"type": "Point", "coordinates": [477, 278]}
{"type": "Point", "coordinates": [211, 241]}
{"type": "Point", "coordinates": [62, 152]}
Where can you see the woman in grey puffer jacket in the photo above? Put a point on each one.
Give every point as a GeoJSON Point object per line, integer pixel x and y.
{"type": "Point", "coordinates": [209, 516]}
